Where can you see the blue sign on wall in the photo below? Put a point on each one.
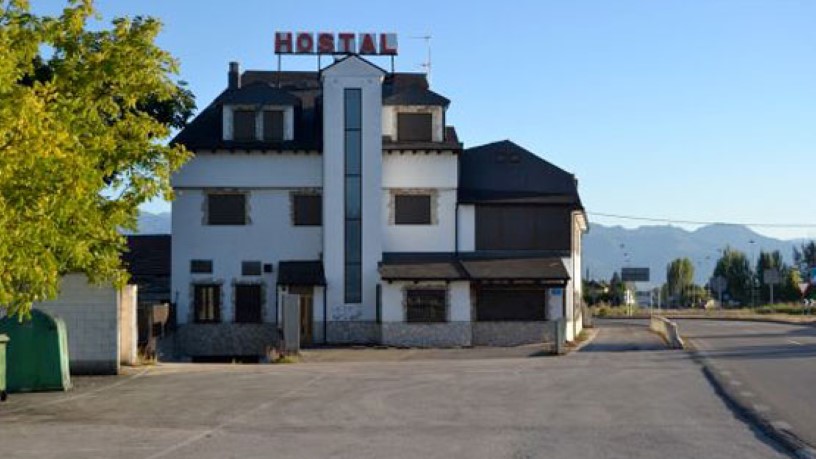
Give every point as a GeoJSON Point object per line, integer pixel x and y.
{"type": "Point", "coordinates": [812, 276]}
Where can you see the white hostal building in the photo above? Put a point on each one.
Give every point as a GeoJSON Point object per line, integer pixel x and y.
{"type": "Point", "coordinates": [346, 187]}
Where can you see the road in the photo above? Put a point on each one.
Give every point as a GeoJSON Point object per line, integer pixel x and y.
{"type": "Point", "coordinates": [773, 363]}
{"type": "Point", "coordinates": [623, 396]}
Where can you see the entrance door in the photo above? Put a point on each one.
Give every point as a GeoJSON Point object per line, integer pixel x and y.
{"type": "Point", "coordinates": [306, 313]}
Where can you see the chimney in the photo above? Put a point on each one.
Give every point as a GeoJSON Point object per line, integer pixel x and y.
{"type": "Point", "coordinates": [234, 76]}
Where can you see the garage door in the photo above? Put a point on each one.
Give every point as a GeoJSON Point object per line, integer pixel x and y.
{"type": "Point", "coordinates": [505, 303]}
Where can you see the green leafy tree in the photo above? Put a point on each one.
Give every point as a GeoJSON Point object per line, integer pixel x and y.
{"type": "Point", "coordinates": [733, 265]}
{"type": "Point", "coordinates": [680, 280]}
{"type": "Point", "coordinates": [84, 118]}
{"type": "Point", "coordinates": [766, 261]}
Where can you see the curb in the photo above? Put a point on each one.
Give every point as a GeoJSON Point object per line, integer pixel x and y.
{"type": "Point", "coordinates": [593, 332]}
{"type": "Point", "coordinates": [758, 415]}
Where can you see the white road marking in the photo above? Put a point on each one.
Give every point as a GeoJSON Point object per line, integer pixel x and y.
{"type": "Point", "coordinates": [795, 342]}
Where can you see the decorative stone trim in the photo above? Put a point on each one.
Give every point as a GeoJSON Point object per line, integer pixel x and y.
{"type": "Point", "coordinates": [426, 286]}
{"type": "Point", "coordinates": [205, 204]}
{"type": "Point", "coordinates": [191, 296]}
{"type": "Point", "coordinates": [432, 192]}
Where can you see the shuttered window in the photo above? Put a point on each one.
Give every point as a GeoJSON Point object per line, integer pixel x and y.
{"type": "Point", "coordinates": [511, 304]}
{"type": "Point", "coordinates": [226, 209]}
{"type": "Point", "coordinates": [273, 125]}
{"type": "Point", "coordinates": [427, 305]}
{"type": "Point", "coordinates": [250, 268]}
{"type": "Point", "coordinates": [248, 303]}
{"type": "Point", "coordinates": [201, 266]}
{"type": "Point", "coordinates": [519, 227]}
{"type": "Point", "coordinates": [412, 209]}
{"type": "Point", "coordinates": [414, 127]}
{"type": "Point", "coordinates": [207, 299]}
{"type": "Point", "coordinates": [243, 125]}
{"type": "Point", "coordinates": [307, 209]}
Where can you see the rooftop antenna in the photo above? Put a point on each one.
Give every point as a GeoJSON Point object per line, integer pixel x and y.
{"type": "Point", "coordinates": [427, 64]}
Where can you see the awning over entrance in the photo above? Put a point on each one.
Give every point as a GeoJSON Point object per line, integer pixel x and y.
{"type": "Point", "coordinates": [449, 267]}
{"type": "Point", "coordinates": [301, 273]}
{"type": "Point", "coordinates": [549, 269]}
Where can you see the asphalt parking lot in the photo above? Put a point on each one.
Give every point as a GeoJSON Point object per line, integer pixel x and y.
{"type": "Point", "coordinates": [623, 396]}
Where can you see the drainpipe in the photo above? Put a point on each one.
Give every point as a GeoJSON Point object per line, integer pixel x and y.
{"type": "Point", "coordinates": [325, 318]}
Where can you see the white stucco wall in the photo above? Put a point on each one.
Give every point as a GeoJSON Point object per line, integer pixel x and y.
{"type": "Point", "coordinates": [393, 299]}
{"type": "Point", "coordinates": [269, 238]}
{"type": "Point", "coordinates": [389, 119]}
{"type": "Point", "coordinates": [91, 316]}
{"type": "Point", "coordinates": [266, 170]}
{"type": "Point", "coordinates": [467, 227]}
{"type": "Point", "coordinates": [352, 73]}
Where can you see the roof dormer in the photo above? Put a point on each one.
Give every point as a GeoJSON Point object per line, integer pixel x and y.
{"type": "Point", "coordinates": [258, 112]}
{"type": "Point", "coordinates": [413, 114]}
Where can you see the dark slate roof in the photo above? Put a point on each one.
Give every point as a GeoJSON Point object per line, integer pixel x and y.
{"type": "Point", "coordinates": [412, 95]}
{"type": "Point", "coordinates": [503, 172]}
{"type": "Point", "coordinates": [451, 143]}
{"type": "Point", "coordinates": [259, 93]}
{"type": "Point", "coordinates": [303, 90]}
{"type": "Point", "coordinates": [301, 273]}
{"type": "Point", "coordinates": [421, 266]}
{"type": "Point", "coordinates": [148, 255]}
{"type": "Point", "coordinates": [471, 266]}
{"type": "Point", "coordinates": [517, 269]}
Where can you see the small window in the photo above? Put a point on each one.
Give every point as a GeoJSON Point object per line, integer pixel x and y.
{"type": "Point", "coordinates": [412, 209]}
{"type": "Point", "coordinates": [307, 209]}
{"type": "Point", "coordinates": [414, 127]}
{"type": "Point", "coordinates": [207, 298]}
{"type": "Point", "coordinates": [273, 125]}
{"type": "Point", "coordinates": [201, 266]}
{"type": "Point", "coordinates": [251, 268]}
{"type": "Point", "coordinates": [426, 306]}
{"type": "Point", "coordinates": [226, 209]}
{"type": "Point", "coordinates": [248, 303]}
{"type": "Point", "coordinates": [243, 125]}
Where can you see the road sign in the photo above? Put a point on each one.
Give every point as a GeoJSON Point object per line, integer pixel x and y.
{"type": "Point", "coordinates": [635, 274]}
{"type": "Point", "coordinates": [803, 287]}
{"type": "Point", "coordinates": [771, 276]}
{"type": "Point", "coordinates": [718, 284]}
{"type": "Point", "coordinates": [812, 276]}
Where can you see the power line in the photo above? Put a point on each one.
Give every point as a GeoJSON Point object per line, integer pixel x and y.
{"type": "Point", "coordinates": [701, 222]}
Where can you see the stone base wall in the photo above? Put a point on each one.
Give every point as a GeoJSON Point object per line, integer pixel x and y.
{"type": "Point", "coordinates": [449, 334]}
{"type": "Point", "coordinates": [224, 339]}
{"type": "Point", "coordinates": [352, 332]}
{"type": "Point", "coordinates": [513, 333]}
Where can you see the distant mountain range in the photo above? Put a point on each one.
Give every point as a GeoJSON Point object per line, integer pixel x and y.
{"type": "Point", "coordinates": [154, 223]}
{"type": "Point", "coordinates": [607, 248]}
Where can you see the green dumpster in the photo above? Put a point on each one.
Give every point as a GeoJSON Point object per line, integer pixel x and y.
{"type": "Point", "coordinates": [36, 354]}
{"type": "Point", "coordinates": [3, 340]}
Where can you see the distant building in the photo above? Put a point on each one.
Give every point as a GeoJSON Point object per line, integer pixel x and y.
{"type": "Point", "coordinates": [347, 187]}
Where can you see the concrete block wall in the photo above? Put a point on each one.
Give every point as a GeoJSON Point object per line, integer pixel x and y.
{"type": "Point", "coordinates": [92, 321]}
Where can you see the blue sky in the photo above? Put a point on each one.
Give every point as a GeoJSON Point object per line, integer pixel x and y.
{"type": "Point", "coordinates": [694, 110]}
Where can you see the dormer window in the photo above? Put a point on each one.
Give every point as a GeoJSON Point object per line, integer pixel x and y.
{"type": "Point", "coordinates": [415, 127]}
{"type": "Point", "coordinates": [243, 123]}
{"type": "Point", "coordinates": [273, 125]}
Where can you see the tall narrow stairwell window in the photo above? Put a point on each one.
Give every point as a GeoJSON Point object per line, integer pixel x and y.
{"type": "Point", "coordinates": [353, 196]}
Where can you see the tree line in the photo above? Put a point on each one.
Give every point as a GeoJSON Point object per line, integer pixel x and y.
{"type": "Point", "coordinates": [743, 284]}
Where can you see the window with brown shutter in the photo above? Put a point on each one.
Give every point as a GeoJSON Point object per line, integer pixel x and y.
{"type": "Point", "coordinates": [243, 125]}
{"type": "Point", "coordinates": [273, 125]}
{"type": "Point", "coordinates": [412, 209]}
{"type": "Point", "coordinates": [226, 209]}
{"type": "Point", "coordinates": [248, 303]}
{"type": "Point", "coordinates": [201, 266]}
{"type": "Point", "coordinates": [414, 127]}
{"type": "Point", "coordinates": [207, 299]}
{"type": "Point", "coordinates": [426, 305]}
{"type": "Point", "coordinates": [307, 209]}
{"type": "Point", "coordinates": [251, 268]}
